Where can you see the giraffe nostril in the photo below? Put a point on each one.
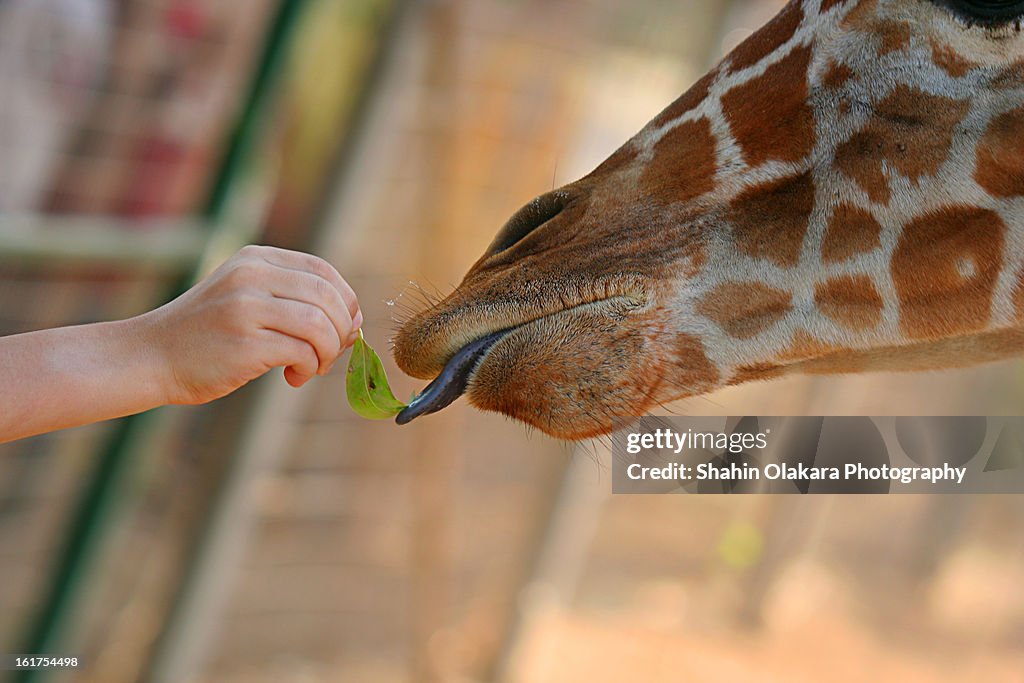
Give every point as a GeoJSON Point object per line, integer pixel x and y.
{"type": "Point", "coordinates": [529, 218]}
{"type": "Point", "coordinates": [986, 12]}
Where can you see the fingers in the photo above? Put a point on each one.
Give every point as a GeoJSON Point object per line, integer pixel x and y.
{"type": "Point", "coordinates": [298, 285]}
{"type": "Point", "coordinates": [307, 323]}
{"type": "Point", "coordinates": [294, 377]}
{"type": "Point", "coordinates": [302, 298]}
{"type": "Point", "coordinates": [298, 357]}
{"type": "Point", "coordinates": [308, 263]}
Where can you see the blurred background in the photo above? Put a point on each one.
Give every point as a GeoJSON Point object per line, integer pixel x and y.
{"type": "Point", "coordinates": [273, 535]}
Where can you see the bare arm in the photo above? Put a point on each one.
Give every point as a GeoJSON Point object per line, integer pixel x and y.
{"type": "Point", "coordinates": [263, 308]}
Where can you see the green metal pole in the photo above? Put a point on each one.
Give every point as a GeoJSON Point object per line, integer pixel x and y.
{"type": "Point", "coordinates": [94, 511]}
{"type": "Point", "coordinates": [260, 96]}
{"type": "Point", "coordinates": [179, 650]}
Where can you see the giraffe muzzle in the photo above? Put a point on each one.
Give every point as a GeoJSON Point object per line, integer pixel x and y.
{"type": "Point", "coordinates": [453, 379]}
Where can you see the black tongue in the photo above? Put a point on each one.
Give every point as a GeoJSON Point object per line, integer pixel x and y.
{"type": "Point", "coordinates": [452, 381]}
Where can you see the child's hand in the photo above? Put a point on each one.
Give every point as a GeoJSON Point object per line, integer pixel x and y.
{"type": "Point", "coordinates": [263, 308]}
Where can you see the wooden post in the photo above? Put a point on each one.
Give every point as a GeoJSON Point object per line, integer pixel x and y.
{"type": "Point", "coordinates": [437, 460]}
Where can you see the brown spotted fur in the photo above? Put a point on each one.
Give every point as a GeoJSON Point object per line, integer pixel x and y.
{"type": "Point", "coordinates": [843, 193]}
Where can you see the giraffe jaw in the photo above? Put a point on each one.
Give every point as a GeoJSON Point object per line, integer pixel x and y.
{"type": "Point", "coordinates": [453, 379]}
{"type": "Point", "coordinates": [546, 371]}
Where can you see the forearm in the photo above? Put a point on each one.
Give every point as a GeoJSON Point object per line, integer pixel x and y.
{"type": "Point", "coordinates": [71, 376]}
{"type": "Point", "coordinates": [263, 308]}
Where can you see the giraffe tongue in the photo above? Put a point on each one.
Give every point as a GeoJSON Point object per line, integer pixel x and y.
{"type": "Point", "coordinates": [452, 381]}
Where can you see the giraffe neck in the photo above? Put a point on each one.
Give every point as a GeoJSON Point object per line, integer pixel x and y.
{"type": "Point", "coordinates": [868, 198]}
{"type": "Point", "coordinates": [844, 192]}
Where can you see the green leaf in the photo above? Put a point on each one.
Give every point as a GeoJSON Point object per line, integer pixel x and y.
{"type": "Point", "coordinates": [367, 384]}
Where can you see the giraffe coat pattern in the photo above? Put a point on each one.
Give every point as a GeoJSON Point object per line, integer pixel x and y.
{"type": "Point", "coordinates": [843, 193]}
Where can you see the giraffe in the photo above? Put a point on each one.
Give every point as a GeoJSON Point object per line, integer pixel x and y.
{"type": "Point", "coordinates": [843, 193]}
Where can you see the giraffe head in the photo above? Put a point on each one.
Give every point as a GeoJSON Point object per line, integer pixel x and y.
{"type": "Point", "coordinates": [844, 191]}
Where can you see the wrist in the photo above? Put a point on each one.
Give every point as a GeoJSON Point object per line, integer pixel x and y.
{"type": "Point", "coordinates": [143, 340]}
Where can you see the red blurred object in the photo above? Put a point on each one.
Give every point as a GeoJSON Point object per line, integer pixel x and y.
{"type": "Point", "coordinates": [187, 20]}
{"type": "Point", "coordinates": [156, 164]}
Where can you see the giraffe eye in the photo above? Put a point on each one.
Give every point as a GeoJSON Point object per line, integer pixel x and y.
{"type": "Point", "coordinates": [987, 11]}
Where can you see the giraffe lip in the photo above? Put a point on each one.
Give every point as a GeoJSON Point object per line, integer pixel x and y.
{"type": "Point", "coordinates": [453, 379]}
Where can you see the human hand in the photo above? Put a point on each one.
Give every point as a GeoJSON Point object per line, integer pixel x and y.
{"type": "Point", "coordinates": [263, 308]}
